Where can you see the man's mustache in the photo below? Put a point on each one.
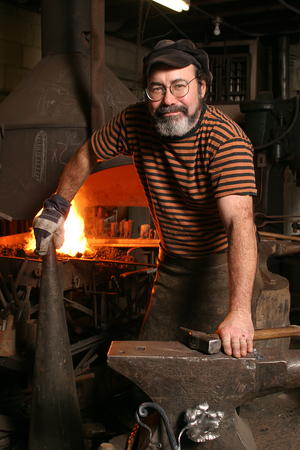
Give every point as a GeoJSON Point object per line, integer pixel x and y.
{"type": "Point", "coordinates": [161, 110]}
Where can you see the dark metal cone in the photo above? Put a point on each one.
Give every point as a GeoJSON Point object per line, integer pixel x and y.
{"type": "Point", "coordinates": [55, 422]}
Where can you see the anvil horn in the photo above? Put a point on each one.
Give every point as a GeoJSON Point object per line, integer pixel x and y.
{"type": "Point", "coordinates": [55, 416]}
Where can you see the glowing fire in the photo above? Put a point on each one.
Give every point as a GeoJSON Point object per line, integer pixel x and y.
{"type": "Point", "coordinates": [75, 240]}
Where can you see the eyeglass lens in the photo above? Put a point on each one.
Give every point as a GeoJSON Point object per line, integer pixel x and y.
{"type": "Point", "coordinates": [179, 88]}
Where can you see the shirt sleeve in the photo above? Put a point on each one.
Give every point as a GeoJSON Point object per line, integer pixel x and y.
{"type": "Point", "coordinates": [111, 140]}
{"type": "Point", "coordinates": [232, 168]}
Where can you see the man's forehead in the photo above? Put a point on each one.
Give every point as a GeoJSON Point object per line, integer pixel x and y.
{"type": "Point", "coordinates": [162, 71]}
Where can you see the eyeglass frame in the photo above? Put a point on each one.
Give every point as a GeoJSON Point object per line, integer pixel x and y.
{"type": "Point", "coordinates": [169, 87]}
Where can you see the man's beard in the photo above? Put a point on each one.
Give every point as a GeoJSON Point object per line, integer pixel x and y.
{"type": "Point", "coordinates": [170, 126]}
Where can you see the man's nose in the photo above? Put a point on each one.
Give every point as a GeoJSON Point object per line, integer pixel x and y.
{"type": "Point", "coordinates": [169, 98]}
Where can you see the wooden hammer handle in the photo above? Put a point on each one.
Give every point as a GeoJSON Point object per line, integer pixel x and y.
{"type": "Point", "coordinates": [273, 333]}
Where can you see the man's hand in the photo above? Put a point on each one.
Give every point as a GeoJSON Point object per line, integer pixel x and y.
{"type": "Point", "coordinates": [237, 332]}
{"type": "Point", "coordinates": [50, 224]}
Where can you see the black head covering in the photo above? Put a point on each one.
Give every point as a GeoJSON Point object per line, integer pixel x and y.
{"type": "Point", "coordinates": [181, 53]}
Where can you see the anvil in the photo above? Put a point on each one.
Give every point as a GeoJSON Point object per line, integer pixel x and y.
{"type": "Point", "coordinates": [177, 378]}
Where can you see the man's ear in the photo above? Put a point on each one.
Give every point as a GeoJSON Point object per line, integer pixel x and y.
{"type": "Point", "coordinates": [202, 88]}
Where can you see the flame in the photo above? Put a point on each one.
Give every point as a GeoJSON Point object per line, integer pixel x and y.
{"type": "Point", "coordinates": [75, 239]}
{"type": "Point", "coordinates": [29, 244]}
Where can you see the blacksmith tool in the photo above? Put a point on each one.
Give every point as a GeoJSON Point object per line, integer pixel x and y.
{"type": "Point", "coordinates": [211, 343]}
{"type": "Point", "coordinates": [55, 421]}
{"type": "Point", "coordinates": [177, 378]}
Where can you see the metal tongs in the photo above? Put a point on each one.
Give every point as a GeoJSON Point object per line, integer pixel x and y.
{"type": "Point", "coordinates": [275, 219]}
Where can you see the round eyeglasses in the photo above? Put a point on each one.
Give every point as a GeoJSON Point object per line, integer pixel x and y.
{"type": "Point", "coordinates": [179, 88]}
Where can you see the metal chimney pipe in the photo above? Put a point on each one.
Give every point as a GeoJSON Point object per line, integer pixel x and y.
{"type": "Point", "coordinates": [62, 25]}
{"type": "Point", "coordinates": [97, 64]}
{"type": "Point", "coordinates": [55, 416]}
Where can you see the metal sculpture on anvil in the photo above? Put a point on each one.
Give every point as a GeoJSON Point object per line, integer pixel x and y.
{"type": "Point", "coordinates": [178, 379]}
{"type": "Point", "coordinates": [201, 424]}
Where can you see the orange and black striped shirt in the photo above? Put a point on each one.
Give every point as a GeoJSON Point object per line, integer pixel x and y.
{"type": "Point", "coordinates": [183, 177]}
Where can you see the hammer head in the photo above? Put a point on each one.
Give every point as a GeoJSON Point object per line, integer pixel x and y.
{"type": "Point", "coordinates": [203, 342]}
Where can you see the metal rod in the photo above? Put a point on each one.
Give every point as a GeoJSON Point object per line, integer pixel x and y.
{"type": "Point", "coordinates": [284, 67]}
{"type": "Point", "coordinates": [2, 299]}
{"type": "Point", "coordinates": [112, 261]}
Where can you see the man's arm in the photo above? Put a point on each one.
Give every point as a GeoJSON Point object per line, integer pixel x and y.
{"type": "Point", "coordinates": [50, 223]}
{"type": "Point", "coordinates": [76, 171]}
{"type": "Point", "coordinates": [237, 331]}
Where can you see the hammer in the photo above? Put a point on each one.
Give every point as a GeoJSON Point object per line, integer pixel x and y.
{"type": "Point", "coordinates": [211, 343]}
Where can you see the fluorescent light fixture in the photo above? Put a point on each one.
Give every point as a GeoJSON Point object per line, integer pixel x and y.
{"type": "Point", "coordinates": [176, 5]}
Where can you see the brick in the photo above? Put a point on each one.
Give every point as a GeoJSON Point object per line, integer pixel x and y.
{"type": "Point", "coordinates": [36, 36]}
{"type": "Point", "coordinates": [11, 53]}
{"type": "Point", "coordinates": [31, 56]}
{"type": "Point", "coordinates": [29, 16]}
{"type": "Point", "coordinates": [122, 54]}
{"type": "Point", "coordinates": [14, 30]}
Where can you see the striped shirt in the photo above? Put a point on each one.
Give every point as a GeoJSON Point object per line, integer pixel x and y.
{"type": "Point", "coordinates": [183, 177]}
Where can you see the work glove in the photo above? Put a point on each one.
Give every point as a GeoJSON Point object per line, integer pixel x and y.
{"type": "Point", "coordinates": [50, 224]}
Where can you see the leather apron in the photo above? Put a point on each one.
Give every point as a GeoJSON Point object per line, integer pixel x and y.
{"type": "Point", "coordinates": [191, 293]}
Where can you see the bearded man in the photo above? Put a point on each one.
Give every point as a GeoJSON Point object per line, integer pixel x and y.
{"type": "Point", "coordinates": [196, 168]}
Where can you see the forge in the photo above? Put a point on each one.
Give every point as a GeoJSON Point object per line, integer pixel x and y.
{"type": "Point", "coordinates": [108, 285]}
